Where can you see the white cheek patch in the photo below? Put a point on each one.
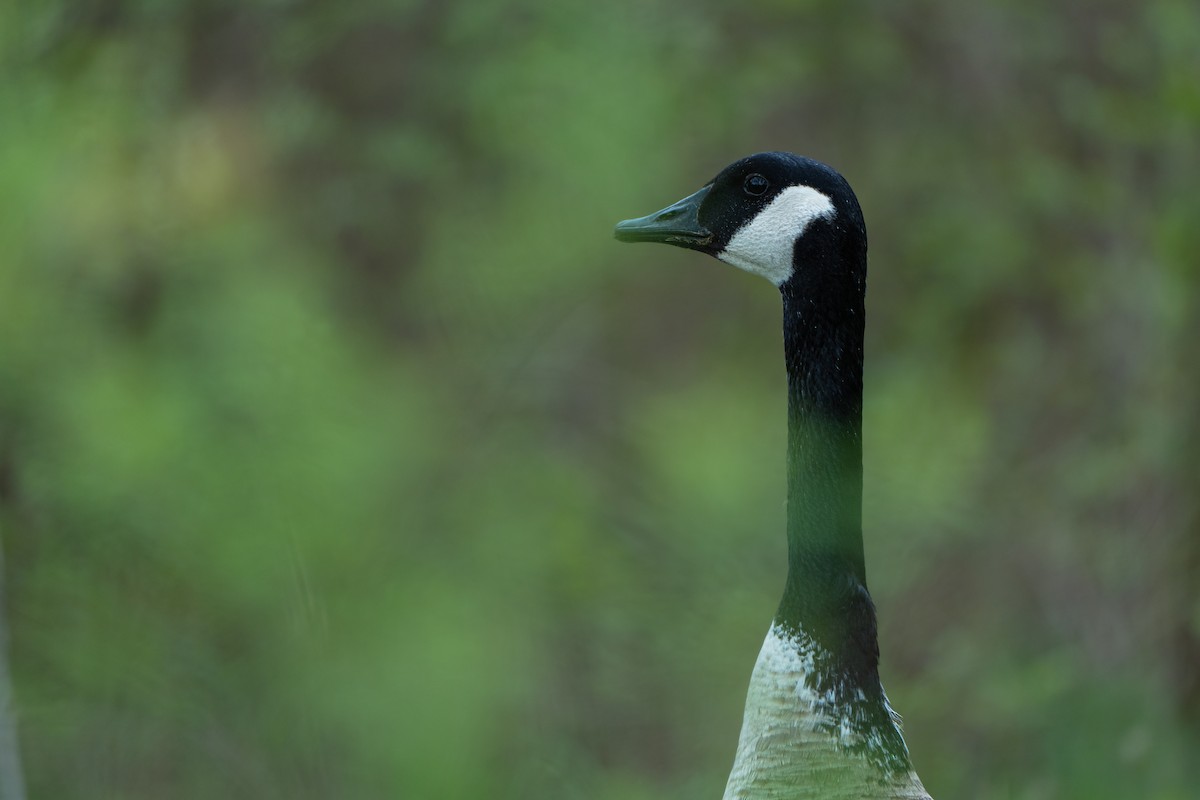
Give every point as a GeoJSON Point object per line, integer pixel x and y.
{"type": "Point", "coordinates": [765, 244]}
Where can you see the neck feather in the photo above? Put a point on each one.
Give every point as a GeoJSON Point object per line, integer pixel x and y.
{"type": "Point", "coordinates": [823, 325]}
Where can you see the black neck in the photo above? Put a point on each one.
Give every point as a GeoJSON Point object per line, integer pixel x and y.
{"type": "Point", "coordinates": [823, 322]}
{"type": "Point", "coordinates": [826, 595]}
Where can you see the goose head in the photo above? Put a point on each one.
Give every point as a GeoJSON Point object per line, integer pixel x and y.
{"type": "Point", "coordinates": [784, 217]}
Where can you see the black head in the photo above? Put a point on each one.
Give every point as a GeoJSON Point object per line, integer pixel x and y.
{"type": "Point", "coordinates": [756, 212]}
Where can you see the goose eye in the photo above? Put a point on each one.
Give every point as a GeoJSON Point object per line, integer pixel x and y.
{"type": "Point", "coordinates": [755, 184]}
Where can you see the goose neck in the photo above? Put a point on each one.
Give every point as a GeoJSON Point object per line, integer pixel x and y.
{"type": "Point", "coordinates": [823, 347]}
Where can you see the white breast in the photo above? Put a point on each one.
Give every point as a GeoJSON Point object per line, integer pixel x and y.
{"type": "Point", "coordinates": [765, 244]}
{"type": "Point", "coordinates": [796, 744]}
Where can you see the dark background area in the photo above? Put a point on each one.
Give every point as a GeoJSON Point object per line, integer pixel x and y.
{"type": "Point", "coordinates": [344, 454]}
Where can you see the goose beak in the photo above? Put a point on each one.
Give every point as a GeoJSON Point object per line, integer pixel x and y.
{"type": "Point", "coordinates": [677, 224]}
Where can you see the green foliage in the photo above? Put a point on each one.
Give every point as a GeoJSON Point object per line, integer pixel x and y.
{"type": "Point", "coordinates": [343, 454]}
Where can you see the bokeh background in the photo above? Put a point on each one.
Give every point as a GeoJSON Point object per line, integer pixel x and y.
{"type": "Point", "coordinates": [343, 453]}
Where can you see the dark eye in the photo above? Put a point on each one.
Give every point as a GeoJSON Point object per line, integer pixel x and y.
{"type": "Point", "coordinates": [755, 184]}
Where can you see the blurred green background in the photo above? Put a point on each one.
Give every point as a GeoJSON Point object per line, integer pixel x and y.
{"type": "Point", "coordinates": [344, 454]}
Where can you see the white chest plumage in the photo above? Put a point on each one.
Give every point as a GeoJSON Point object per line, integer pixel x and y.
{"type": "Point", "coordinates": [764, 245]}
{"type": "Point", "coordinates": [796, 743]}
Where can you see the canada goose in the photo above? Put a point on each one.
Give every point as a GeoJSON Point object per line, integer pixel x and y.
{"type": "Point", "coordinates": [817, 722]}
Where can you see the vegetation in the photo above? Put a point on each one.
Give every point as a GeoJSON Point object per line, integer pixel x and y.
{"type": "Point", "coordinates": [343, 454]}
